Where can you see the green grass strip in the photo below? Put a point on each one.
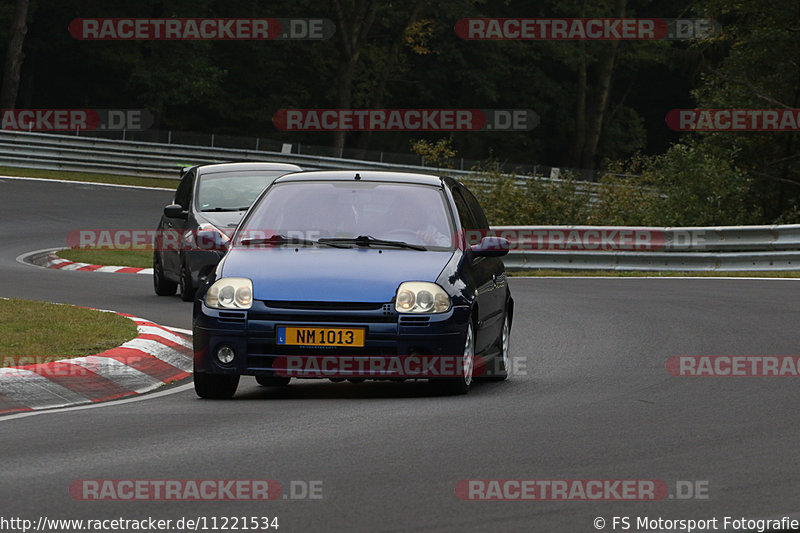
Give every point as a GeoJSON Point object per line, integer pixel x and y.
{"type": "Point", "coordinates": [38, 332]}
{"type": "Point", "coordinates": [139, 258]}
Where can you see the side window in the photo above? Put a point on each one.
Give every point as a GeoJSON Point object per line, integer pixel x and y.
{"type": "Point", "coordinates": [475, 208]}
{"type": "Point", "coordinates": [183, 196]}
{"type": "Point", "coordinates": [469, 224]}
{"type": "Point", "coordinates": [468, 221]}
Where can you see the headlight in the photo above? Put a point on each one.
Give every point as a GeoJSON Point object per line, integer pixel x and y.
{"type": "Point", "coordinates": [421, 297]}
{"type": "Point", "coordinates": [230, 293]}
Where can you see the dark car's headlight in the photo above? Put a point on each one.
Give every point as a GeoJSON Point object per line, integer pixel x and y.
{"type": "Point", "coordinates": [421, 297]}
{"type": "Point", "coordinates": [230, 293]}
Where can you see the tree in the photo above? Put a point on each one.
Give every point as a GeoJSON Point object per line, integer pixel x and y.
{"type": "Point", "coordinates": [354, 19]}
{"type": "Point", "coordinates": [753, 65]}
{"type": "Point", "coordinates": [14, 56]}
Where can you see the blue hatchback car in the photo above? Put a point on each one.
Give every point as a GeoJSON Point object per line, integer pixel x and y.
{"type": "Point", "coordinates": [356, 275]}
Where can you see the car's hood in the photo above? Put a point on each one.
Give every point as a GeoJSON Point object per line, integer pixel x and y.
{"type": "Point", "coordinates": [225, 221]}
{"type": "Point", "coordinates": [331, 274]}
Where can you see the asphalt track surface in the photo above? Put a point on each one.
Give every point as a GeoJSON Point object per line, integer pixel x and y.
{"type": "Point", "coordinates": [596, 403]}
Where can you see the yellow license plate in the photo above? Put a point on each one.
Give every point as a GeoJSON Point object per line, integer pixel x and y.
{"type": "Point", "coordinates": [314, 336]}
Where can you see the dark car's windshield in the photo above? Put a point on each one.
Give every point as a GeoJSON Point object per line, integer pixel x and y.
{"type": "Point", "coordinates": [414, 214]}
{"type": "Point", "coordinates": [231, 191]}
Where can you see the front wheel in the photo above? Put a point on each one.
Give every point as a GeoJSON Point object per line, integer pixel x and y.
{"type": "Point", "coordinates": [215, 386]}
{"type": "Point", "coordinates": [461, 384]}
{"type": "Point", "coordinates": [162, 285]}
{"type": "Point", "coordinates": [187, 289]}
{"type": "Point", "coordinates": [501, 364]}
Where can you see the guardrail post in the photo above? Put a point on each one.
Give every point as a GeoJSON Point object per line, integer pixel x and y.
{"type": "Point", "coordinates": [212, 140]}
{"type": "Point", "coordinates": [169, 137]}
{"type": "Point", "coordinates": [257, 139]}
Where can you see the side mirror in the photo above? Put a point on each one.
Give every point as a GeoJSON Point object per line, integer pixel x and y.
{"type": "Point", "coordinates": [490, 247]}
{"type": "Point", "coordinates": [211, 239]}
{"type": "Point", "coordinates": [175, 211]}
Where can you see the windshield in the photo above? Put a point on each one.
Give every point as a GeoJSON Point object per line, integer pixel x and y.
{"type": "Point", "coordinates": [233, 190]}
{"type": "Point", "coordinates": [414, 214]}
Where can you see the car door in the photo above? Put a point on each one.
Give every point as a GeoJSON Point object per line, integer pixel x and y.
{"type": "Point", "coordinates": [175, 226]}
{"type": "Point", "coordinates": [495, 265]}
{"type": "Point", "coordinates": [488, 273]}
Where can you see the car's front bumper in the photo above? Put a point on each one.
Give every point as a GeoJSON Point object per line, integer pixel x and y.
{"type": "Point", "coordinates": [394, 342]}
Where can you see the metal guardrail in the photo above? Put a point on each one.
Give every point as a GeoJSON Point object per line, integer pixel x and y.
{"type": "Point", "coordinates": [156, 160]}
{"type": "Point", "coordinates": [719, 248]}
{"type": "Point", "coordinates": [164, 160]}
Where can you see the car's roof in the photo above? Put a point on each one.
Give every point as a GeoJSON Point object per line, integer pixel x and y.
{"type": "Point", "coordinates": [363, 175]}
{"type": "Point", "coordinates": [245, 166]}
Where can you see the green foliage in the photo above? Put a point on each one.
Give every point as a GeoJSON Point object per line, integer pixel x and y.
{"type": "Point", "coordinates": [441, 152]}
{"type": "Point", "coordinates": [690, 185]}
{"type": "Point", "coordinates": [538, 201]}
{"type": "Point", "coordinates": [687, 186]}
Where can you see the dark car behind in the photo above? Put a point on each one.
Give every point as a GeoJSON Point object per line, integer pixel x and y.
{"type": "Point", "coordinates": [209, 203]}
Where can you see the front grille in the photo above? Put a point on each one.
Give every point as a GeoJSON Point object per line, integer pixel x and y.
{"type": "Point", "coordinates": [315, 306]}
{"type": "Point", "coordinates": [323, 312]}
{"type": "Point", "coordinates": [320, 318]}
{"type": "Point", "coordinates": [414, 319]}
{"type": "Point", "coordinates": [232, 316]}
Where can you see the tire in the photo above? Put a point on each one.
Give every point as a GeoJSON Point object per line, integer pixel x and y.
{"type": "Point", "coordinates": [501, 363]}
{"type": "Point", "coordinates": [187, 290]}
{"type": "Point", "coordinates": [273, 381]}
{"type": "Point", "coordinates": [161, 285]}
{"type": "Point", "coordinates": [462, 384]}
{"type": "Point", "coordinates": [215, 386]}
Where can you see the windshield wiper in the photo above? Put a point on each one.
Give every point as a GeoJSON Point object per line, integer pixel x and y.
{"type": "Point", "coordinates": [225, 209]}
{"type": "Point", "coordinates": [369, 240]}
{"type": "Point", "coordinates": [277, 240]}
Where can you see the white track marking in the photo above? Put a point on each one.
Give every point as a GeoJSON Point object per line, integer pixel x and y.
{"type": "Point", "coordinates": [161, 351]}
{"type": "Point", "coordinates": [166, 335]}
{"type": "Point", "coordinates": [174, 390]}
{"type": "Point", "coordinates": [123, 375]}
{"type": "Point", "coordinates": [93, 183]}
{"type": "Point", "coordinates": [35, 391]}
